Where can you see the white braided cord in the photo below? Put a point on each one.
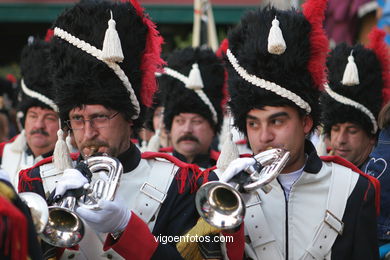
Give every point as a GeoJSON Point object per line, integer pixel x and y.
{"type": "Point", "coordinates": [268, 85]}
{"type": "Point", "coordinates": [88, 48]}
{"type": "Point", "coordinates": [177, 75]}
{"type": "Point", "coordinates": [349, 102]}
{"type": "Point", "coordinates": [207, 101]}
{"type": "Point", "coordinates": [39, 96]}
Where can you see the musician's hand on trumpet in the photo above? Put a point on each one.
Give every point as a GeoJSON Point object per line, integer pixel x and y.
{"type": "Point", "coordinates": [222, 203]}
{"type": "Point", "coordinates": [103, 214]}
{"type": "Point", "coordinates": [70, 180]}
{"type": "Point", "coordinates": [236, 171]}
{"type": "Point", "coordinates": [235, 167]}
{"type": "Point", "coordinates": [111, 217]}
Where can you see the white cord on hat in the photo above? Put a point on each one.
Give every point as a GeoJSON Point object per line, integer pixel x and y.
{"type": "Point", "coordinates": [39, 96]}
{"type": "Point", "coordinates": [88, 48]}
{"type": "Point", "coordinates": [349, 102]}
{"type": "Point", "coordinates": [195, 83]}
{"type": "Point", "coordinates": [268, 85]}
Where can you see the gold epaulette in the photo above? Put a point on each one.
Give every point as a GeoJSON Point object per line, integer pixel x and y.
{"type": "Point", "coordinates": [6, 191]}
{"type": "Point", "coordinates": [190, 250]}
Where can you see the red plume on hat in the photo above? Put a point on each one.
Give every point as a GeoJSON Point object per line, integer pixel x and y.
{"type": "Point", "coordinates": [49, 35]}
{"type": "Point", "coordinates": [378, 45]}
{"type": "Point", "coordinates": [221, 52]}
{"type": "Point", "coordinates": [314, 11]}
{"type": "Point", "coordinates": [151, 60]}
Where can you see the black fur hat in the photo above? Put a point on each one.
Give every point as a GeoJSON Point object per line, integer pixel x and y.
{"type": "Point", "coordinates": [365, 93]}
{"type": "Point", "coordinates": [180, 99]}
{"type": "Point", "coordinates": [298, 70]}
{"type": "Point", "coordinates": [36, 78]}
{"type": "Point", "coordinates": [83, 76]}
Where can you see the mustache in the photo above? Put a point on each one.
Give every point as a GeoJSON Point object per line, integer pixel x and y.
{"type": "Point", "coordinates": [188, 137]}
{"type": "Point", "coordinates": [39, 131]}
{"type": "Point", "coordinates": [94, 143]}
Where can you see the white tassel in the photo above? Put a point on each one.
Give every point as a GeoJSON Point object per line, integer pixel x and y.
{"type": "Point", "coordinates": [61, 156]}
{"type": "Point", "coordinates": [351, 74]}
{"type": "Point", "coordinates": [229, 152]}
{"type": "Point", "coordinates": [144, 146]}
{"type": "Point", "coordinates": [154, 142]}
{"type": "Point", "coordinates": [321, 146]}
{"type": "Point", "coordinates": [195, 78]}
{"type": "Point", "coordinates": [225, 131]}
{"type": "Point", "coordinates": [68, 141]}
{"type": "Point", "coordinates": [276, 43]}
{"type": "Point", "coordinates": [112, 48]}
{"type": "Point", "coordinates": [20, 143]}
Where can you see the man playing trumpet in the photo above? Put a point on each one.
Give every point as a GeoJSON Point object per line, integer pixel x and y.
{"type": "Point", "coordinates": [317, 208]}
{"type": "Point", "coordinates": [105, 76]}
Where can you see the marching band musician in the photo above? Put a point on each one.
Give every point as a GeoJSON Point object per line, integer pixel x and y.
{"type": "Point", "coordinates": [358, 87]}
{"type": "Point", "coordinates": [192, 89]}
{"type": "Point", "coordinates": [317, 208]}
{"type": "Point", "coordinates": [37, 112]}
{"type": "Point", "coordinates": [104, 77]}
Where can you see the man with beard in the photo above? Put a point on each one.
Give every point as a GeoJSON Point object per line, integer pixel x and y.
{"type": "Point", "coordinates": [192, 86]}
{"type": "Point", "coordinates": [105, 76]}
{"type": "Point", "coordinates": [358, 87]}
{"type": "Point", "coordinates": [37, 112]}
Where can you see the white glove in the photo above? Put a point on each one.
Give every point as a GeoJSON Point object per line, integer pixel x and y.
{"type": "Point", "coordinates": [235, 167]}
{"type": "Point", "coordinates": [71, 179]}
{"type": "Point", "coordinates": [112, 217]}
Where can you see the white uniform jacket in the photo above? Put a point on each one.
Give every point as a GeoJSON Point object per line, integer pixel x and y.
{"type": "Point", "coordinates": [330, 214]}
{"type": "Point", "coordinates": [154, 189]}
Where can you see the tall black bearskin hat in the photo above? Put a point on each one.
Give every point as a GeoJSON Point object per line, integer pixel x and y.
{"type": "Point", "coordinates": [193, 83]}
{"type": "Point", "coordinates": [277, 58]}
{"type": "Point", "coordinates": [107, 53]}
{"type": "Point", "coordinates": [36, 87]}
{"type": "Point", "coordinates": [358, 84]}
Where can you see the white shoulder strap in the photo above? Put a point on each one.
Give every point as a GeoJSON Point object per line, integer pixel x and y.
{"type": "Point", "coordinates": [12, 162]}
{"type": "Point", "coordinates": [49, 175]}
{"type": "Point", "coordinates": [341, 185]}
{"type": "Point", "coordinates": [262, 239]}
{"type": "Point", "coordinates": [154, 190]}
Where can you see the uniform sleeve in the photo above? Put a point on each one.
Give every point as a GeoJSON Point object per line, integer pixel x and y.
{"type": "Point", "coordinates": [359, 238]}
{"type": "Point", "coordinates": [365, 242]}
{"type": "Point", "coordinates": [136, 242]}
{"type": "Point", "coordinates": [30, 180]}
{"type": "Point", "coordinates": [235, 245]}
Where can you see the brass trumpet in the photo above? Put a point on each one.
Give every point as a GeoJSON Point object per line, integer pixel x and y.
{"type": "Point", "coordinates": [222, 205]}
{"type": "Point", "coordinates": [38, 209]}
{"type": "Point", "coordinates": [63, 227]}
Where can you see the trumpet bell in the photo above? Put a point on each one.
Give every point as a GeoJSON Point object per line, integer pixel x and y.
{"type": "Point", "coordinates": [64, 228]}
{"type": "Point", "coordinates": [38, 209]}
{"type": "Point", "coordinates": [220, 205]}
